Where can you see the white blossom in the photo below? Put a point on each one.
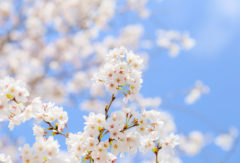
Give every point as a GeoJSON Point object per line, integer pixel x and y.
{"type": "Point", "coordinates": [193, 143]}
{"type": "Point", "coordinates": [121, 72]}
{"type": "Point", "coordinates": [42, 150]}
{"type": "Point", "coordinates": [196, 92]}
{"type": "Point", "coordinates": [226, 140]}
{"type": "Point", "coordinates": [5, 159]}
{"type": "Point", "coordinates": [174, 41]}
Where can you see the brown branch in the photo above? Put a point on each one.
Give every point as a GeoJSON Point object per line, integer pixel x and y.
{"type": "Point", "coordinates": [108, 106]}
{"type": "Point", "coordinates": [156, 154]}
{"type": "Point", "coordinates": [4, 41]}
{"type": "Point", "coordinates": [156, 150]}
{"type": "Point", "coordinates": [57, 132]}
{"type": "Point", "coordinates": [126, 128]}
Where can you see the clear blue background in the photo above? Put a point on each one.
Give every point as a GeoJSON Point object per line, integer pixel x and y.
{"type": "Point", "coordinates": [215, 24]}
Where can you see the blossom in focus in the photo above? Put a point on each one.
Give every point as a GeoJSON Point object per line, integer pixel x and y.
{"type": "Point", "coordinates": [122, 72]}
{"type": "Point", "coordinates": [16, 107]}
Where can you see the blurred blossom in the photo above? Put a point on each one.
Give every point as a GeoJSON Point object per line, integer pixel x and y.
{"type": "Point", "coordinates": [96, 106]}
{"type": "Point", "coordinates": [193, 143]}
{"type": "Point", "coordinates": [226, 140]}
{"type": "Point", "coordinates": [149, 102]}
{"type": "Point", "coordinates": [196, 92]}
{"type": "Point", "coordinates": [174, 41]}
{"type": "Point", "coordinates": [5, 159]}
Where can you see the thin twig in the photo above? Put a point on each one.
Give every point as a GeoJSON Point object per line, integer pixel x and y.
{"type": "Point", "coordinates": [108, 106]}
{"type": "Point", "coordinates": [156, 154]}
{"type": "Point", "coordinates": [126, 128]}
{"type": "Point", "coordinates": [57, 132]}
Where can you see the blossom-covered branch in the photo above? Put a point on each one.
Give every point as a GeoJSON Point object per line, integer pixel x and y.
{"type": "Point", "coordinates": [105, 135]}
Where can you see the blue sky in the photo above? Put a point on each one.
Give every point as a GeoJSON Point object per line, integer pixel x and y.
{"type": "Point", "coordinates": [215, 60]}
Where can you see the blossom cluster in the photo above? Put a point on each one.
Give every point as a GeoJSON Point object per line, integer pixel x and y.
{"type": "Point", "coordinates": [126, 131]}
{"type": "Point", "coordinates": [17, 107]}
{"type": "Point", "coordinates": [43, 150]}
{"type": "Point", "coordinates": [121, 72]}
{"type": "Point", "coordinates": [105, 136]}
{"type": "Point", "coordinates": [13, 96]}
